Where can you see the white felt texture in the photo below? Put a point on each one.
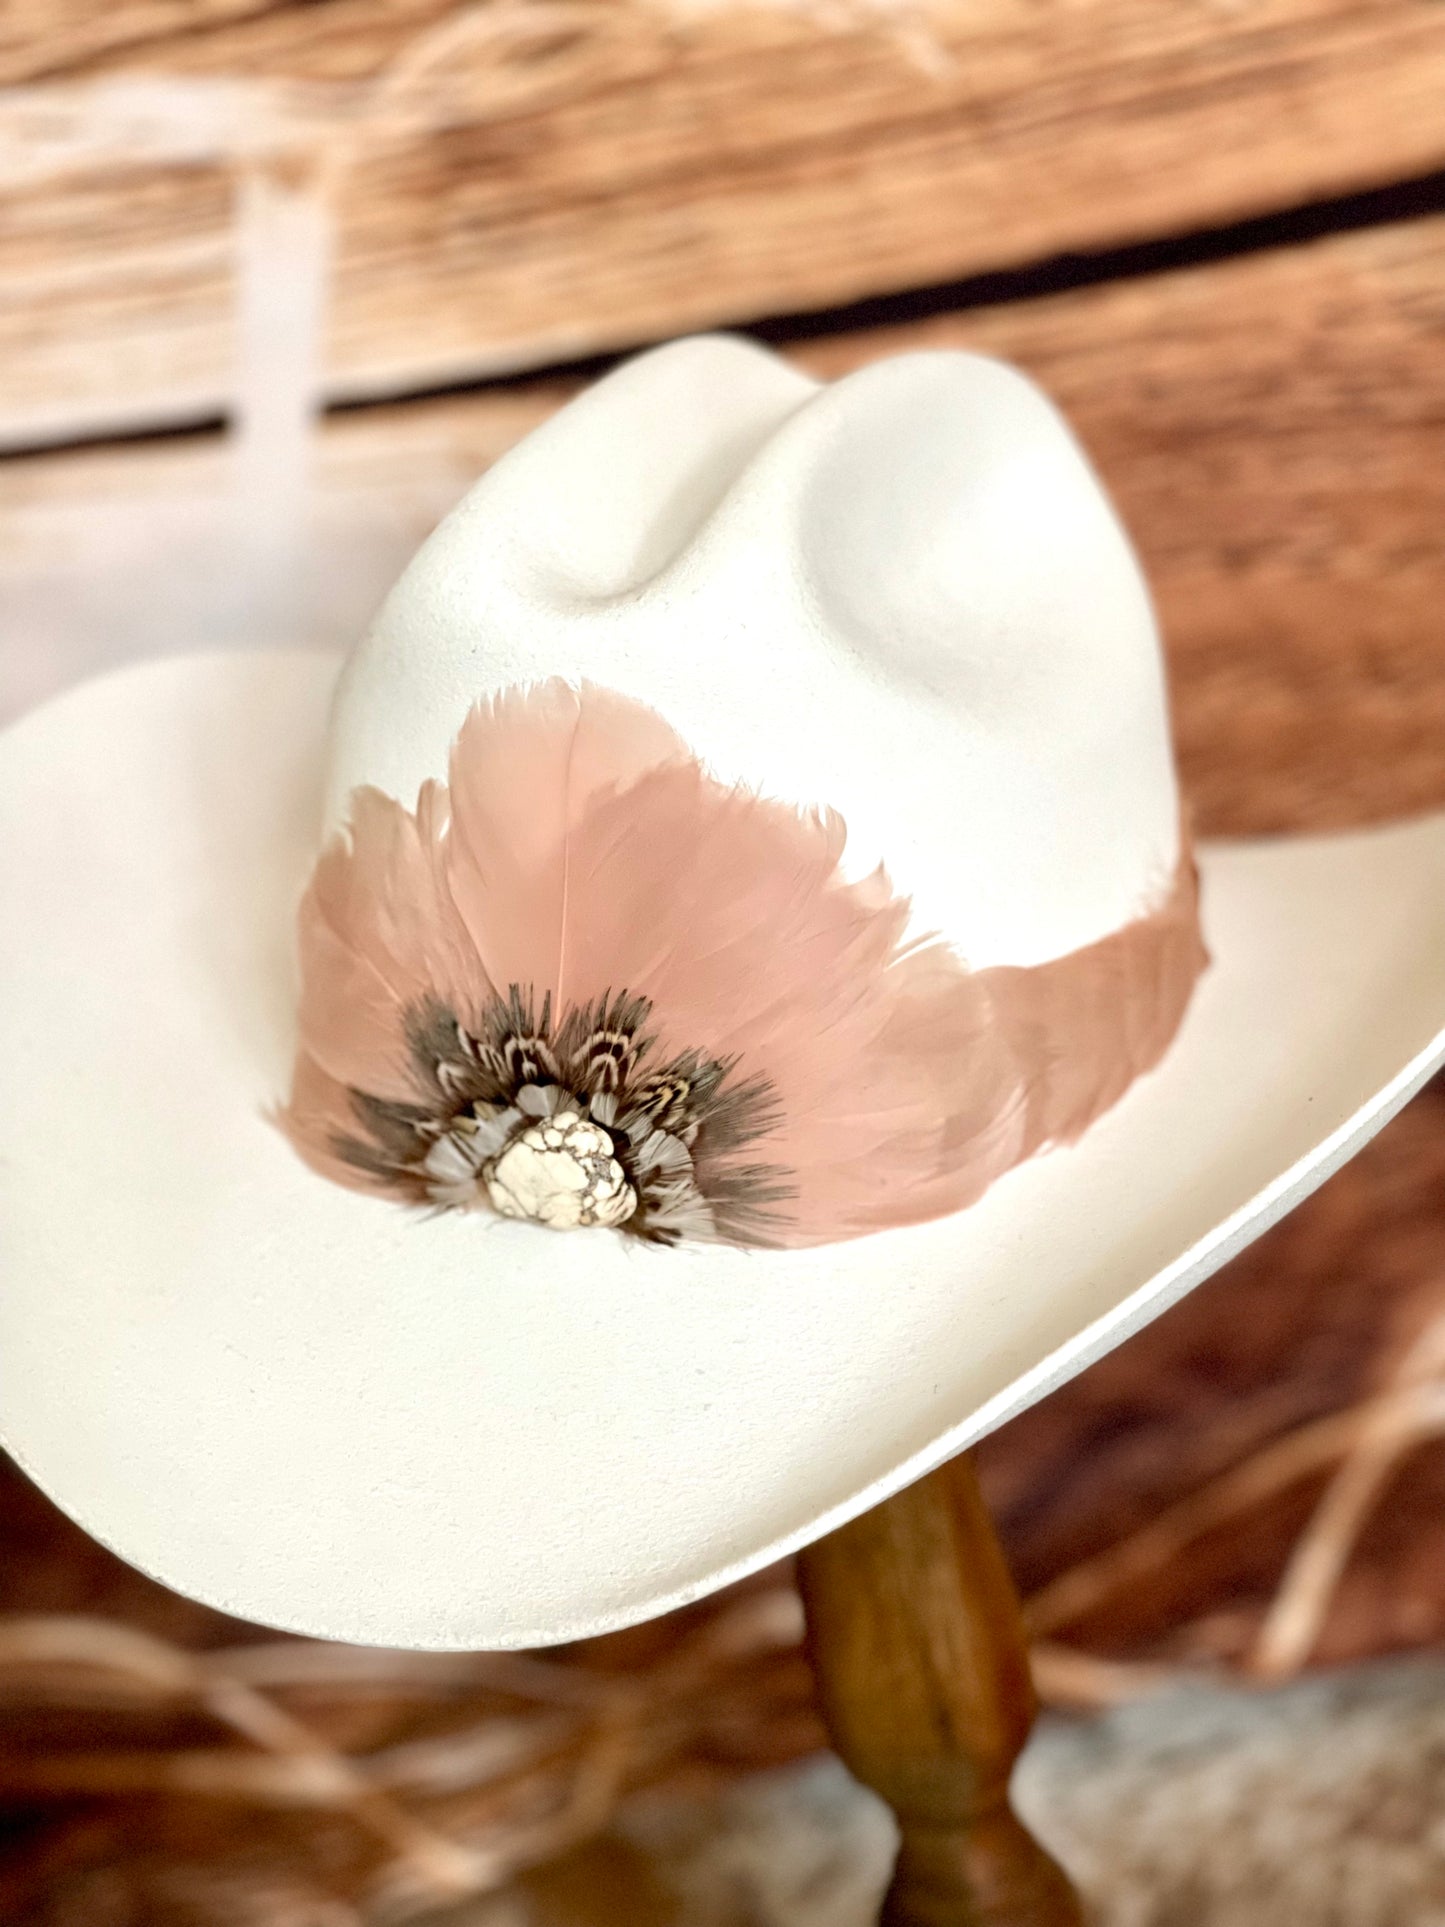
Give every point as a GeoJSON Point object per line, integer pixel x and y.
{"type": "Point", "coordinates": [318, 1411]}
{"type": "Point", "coordinates": [903, 595]}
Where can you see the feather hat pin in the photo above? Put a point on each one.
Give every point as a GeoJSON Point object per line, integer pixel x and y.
{"type": "Point", "coordinates": [587, 985]}
{"type": "Point", "coordinates": [865, 1144]}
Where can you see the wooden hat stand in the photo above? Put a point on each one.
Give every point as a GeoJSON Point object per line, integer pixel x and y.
{"type": "Point", "coordinates": [918, 1644]}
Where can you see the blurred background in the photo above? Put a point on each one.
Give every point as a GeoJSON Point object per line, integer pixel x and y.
{"type": "Point", "coordinates": [278, 278]}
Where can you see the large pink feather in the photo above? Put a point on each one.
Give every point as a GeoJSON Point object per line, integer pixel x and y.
{"type": "Point", "coordinates": [587, 852]}
{"type": "Point", "coordinates": [378, 933]}
{"type": "Point", "coordinates": [525, 773]}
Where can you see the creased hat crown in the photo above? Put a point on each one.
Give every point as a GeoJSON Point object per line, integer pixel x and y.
{"type": "Point", "coordinates": [904, 594]}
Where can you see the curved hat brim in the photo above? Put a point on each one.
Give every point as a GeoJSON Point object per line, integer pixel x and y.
{"type": "Point", "coordinates": [319, 1412]}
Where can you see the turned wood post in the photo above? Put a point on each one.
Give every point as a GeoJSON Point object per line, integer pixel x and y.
{"type": "Point", "coordinates": [918, 1644]}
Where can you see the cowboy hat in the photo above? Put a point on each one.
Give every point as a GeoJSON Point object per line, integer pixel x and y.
{"type": "Point", "coordinates": [734, 598]}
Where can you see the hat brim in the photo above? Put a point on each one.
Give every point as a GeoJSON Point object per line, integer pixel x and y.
{"type": "Point", "coordinates": [317, 1411]}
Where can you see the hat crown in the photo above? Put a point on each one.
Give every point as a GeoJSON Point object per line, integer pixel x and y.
{"type": "Point", "coordinates": [903, 595]}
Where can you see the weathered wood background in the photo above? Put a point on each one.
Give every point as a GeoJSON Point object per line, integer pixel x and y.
{"type": "Point", "coordinates": [1215, 229]}
{"type": "Point", "coordinates": [525, 182]}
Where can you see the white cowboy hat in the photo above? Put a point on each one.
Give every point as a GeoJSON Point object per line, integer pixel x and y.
{"type": "Point", "coordinates": [904, 597]}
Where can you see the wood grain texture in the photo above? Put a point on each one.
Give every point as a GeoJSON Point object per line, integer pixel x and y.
{"type": "Point", "coordinates": [1272, 427]}
{"type": "Point", "coordinates": [922, 1668]}
{"type": "Point", "coordinates": [548, 181]}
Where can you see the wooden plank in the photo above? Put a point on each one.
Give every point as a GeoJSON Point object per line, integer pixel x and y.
{"type": "Point", "coordinates": [547, 181]}
{"type": "Point", "coordinates": [1273, 428]}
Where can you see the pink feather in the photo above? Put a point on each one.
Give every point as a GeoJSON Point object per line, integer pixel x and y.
{"type": "Point", "coordinates": [579, 849]}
